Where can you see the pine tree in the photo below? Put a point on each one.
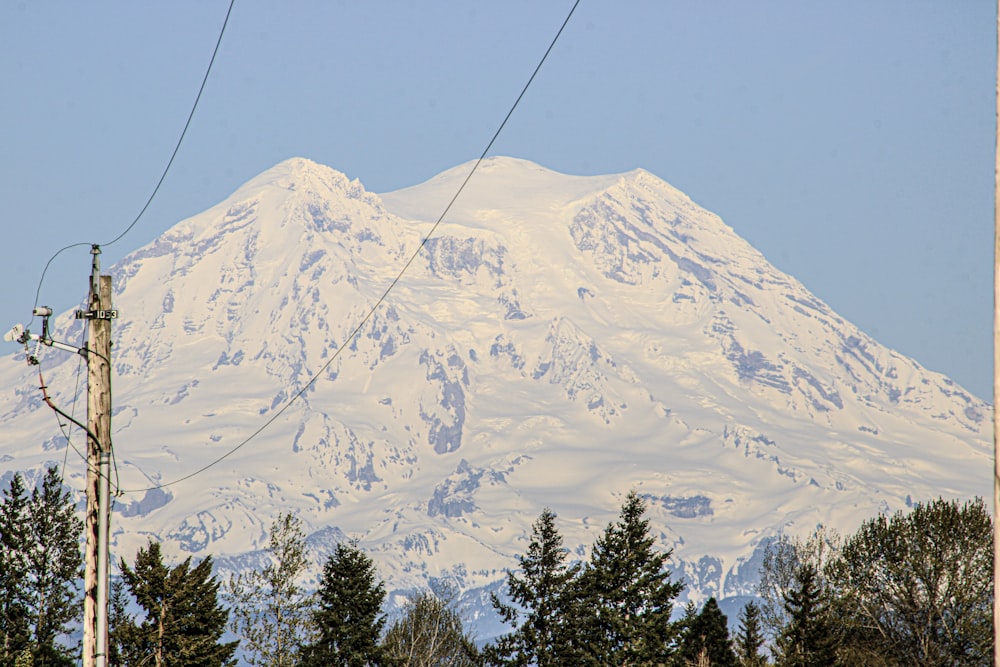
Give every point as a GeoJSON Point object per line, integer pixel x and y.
{"type": "Point", "coordinates": [539, 597]}
{"type": "Point", "coordinates": [183, 620]}
{"type": "Point", "coordinates": [706, 636]}
{"type": "Point", "coordinates": [808, 638]}
{"type": "Point", "coordinates": [782, 559]}
{"type": "Point", "coordinates": [268, 607]}
{"type": "Point", "coordinates": [347, 618]}
{"type": "Point", "coordinates": [121, 626]}
{"type": "Point", "coordinates": [750, 638]}
{"type": "Point", "coordinates": [430, 633]}
{"type": "Point", "coordinates": [15, 631]}
{"type": "Point", "coordinates": [687, 619]}
{"type": "Point", "coordinates": [55, 566]}
{"type": "Point", "coordinates": [625, 596]}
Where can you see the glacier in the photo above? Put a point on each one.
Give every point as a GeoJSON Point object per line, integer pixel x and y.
{"type": "Point", "coordinates": [558, 341]}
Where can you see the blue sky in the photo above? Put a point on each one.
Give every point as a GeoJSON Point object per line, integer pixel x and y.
{"type": "Point", "coordinates": [851, 142]}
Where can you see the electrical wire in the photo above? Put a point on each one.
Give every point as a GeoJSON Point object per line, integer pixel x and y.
{"type": "Point", "coordinates": [48, 401]}
{"type": "Point", "coordinates": [388, 289]}
{"type": "Point", "coordinates": [45, 270]}
{"type": "Point", "coordinates": [166, 169]}
{"type": "Point", "coordinates": [90, 436]}
{"type": "Point", "coordinates": [111, 444]}
{"type": "Point", "coordinates": [58, 412]}
{"type": "Point", "coordinates": [62, 426]}
{"type": "Point", "coordinates": [187, 124]}
{"type": "Point", "coordinates": [76, 395]}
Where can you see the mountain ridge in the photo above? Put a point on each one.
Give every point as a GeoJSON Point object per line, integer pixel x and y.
{"type": "Point", "coordinates": [558, 341]}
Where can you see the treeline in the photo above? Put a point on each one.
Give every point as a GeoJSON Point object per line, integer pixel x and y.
{"type": "Point", "coordinates": [913, 589]}
{"type": "Point", "coordinates": [41, 568]}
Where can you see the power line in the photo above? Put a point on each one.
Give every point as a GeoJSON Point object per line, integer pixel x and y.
{"type": "Point", "coordinates": [385, 294]}
{"type": "Point", "coordinates": [76, 394]}
{"type": "Point", "coordinates": [201, 89]}
{"type": "Point", "coordinates": [187, 124]}
{"type": "Point", "coordinates": [70, 417]}
{"type": "Point", "coordinates": [61, 413]}
{"type": "Point", "coordinates": [166, 169]}
{"type": "Point", "coordinates": [38, 290]}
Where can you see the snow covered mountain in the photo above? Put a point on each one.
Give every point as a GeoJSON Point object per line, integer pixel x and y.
{"type": "Point", "coordinates": [558, 341]}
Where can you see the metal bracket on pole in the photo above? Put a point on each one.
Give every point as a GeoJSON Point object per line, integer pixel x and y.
{"type": "Point", "coordinates": [18, 334]}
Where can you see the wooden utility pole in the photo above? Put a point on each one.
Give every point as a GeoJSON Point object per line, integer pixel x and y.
{"type": "Point", "coordinates": [996, 363]}
{"type": "Point", "coordinates": [95, 607]}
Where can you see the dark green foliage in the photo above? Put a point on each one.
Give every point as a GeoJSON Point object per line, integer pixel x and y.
{"type": "Point", "coordinates": [808, 638]}
{"type": "Point", "coordinates": [40, 565]}
{"type": "Point", "coordinates": [916, 588]}
{"type": "Point", "coordinates": [750, 639]}
{"type": "Point", "coordinates": [706, 635]}
{"type": "Point", "coordinates": [54, 566]}
{"type": "Point", "coordinates": [430, 633]}
{"type": "Point", "coordinates": [687, 620]}
{"type": "Point", "coordinates": [15, 632]}
{"type": "Point", "coordinates": [183, 620]}
{"type": "Point", "coordinates": [624, 597]}
{"type": "Point", "coordinates": [118, 619]}
{"type": "Point", "coordinates": [540, 608]}
{"type": "Point", "coordinates": [681, 628]}
{"type": "Point", "coordinates": [346, 618]}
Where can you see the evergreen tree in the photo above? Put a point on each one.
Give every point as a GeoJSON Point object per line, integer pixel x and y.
{"type": "Point", "coordinates": [683, 626]}
{"type": "Point", "coordinates": [268, 607]}
{"type": "Point", "coordinates": [55, 566]}
{"type": "Point", "coordinates": [808, 638]}
{"type": "Point", "coordinates": [183, 620]}
{"type": "Point", "coordinates": [624, 597]}
{"type": "Point", "coordinates": [917, 587]}
{"type": "Point", "coordinates": [346, 619]}
{"type": "Point", "coordinates": [15, 633]}
{"type": "Point", "coordinates": [783, 558]}
{"type": "Point", "coordinates": [539, 597]}
{"type": "Point", "coordinates": [121, 625]}
{"type": "Point", "coordinates": [706, 636]}
{"type": "Point", "coordinates": [430, 633]}
{"type": "Point", "coordinates": [750, 638]}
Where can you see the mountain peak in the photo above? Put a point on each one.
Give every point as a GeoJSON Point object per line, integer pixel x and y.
{"type": "Point", "coordinates": [499, 184]}
{"type": "Point", "coordinates": [299, 174]}
{"type": "Point", "coordinates": [557, 341]}
{"type": "Point", "coordinates": [297, 191]}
